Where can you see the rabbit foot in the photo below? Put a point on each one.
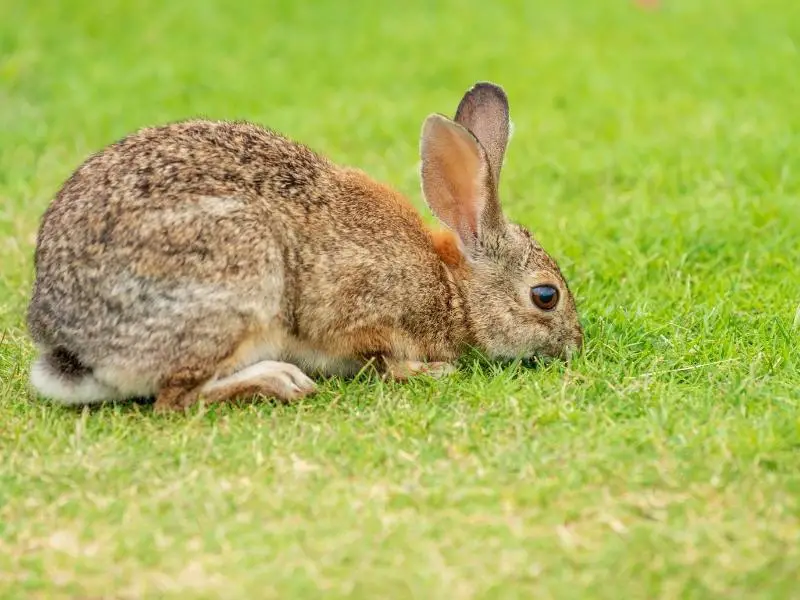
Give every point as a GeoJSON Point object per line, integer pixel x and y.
{"type": "Point", "coordinates": [402, 370]}
{"type": "Point", "coordinates": [269, 378]}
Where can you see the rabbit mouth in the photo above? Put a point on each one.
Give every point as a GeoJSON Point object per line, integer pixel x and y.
{"type": "Point", "coordinates": [543, 360]}
{"type": "Point", "coordinates": [534, 362]}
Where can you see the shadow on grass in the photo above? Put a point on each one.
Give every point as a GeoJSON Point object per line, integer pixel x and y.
{"type": "Point", "coordinates": [346, 393]}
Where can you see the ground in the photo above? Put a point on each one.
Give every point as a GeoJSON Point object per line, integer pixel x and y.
{"type": "Point", "coordinates": [655, 155]}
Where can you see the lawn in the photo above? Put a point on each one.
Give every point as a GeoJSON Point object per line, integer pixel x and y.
{"type": "Point", "coordinates": [655, 155]}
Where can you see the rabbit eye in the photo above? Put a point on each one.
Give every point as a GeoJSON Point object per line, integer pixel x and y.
{"type": "Point", "coordinates": [544, 296]}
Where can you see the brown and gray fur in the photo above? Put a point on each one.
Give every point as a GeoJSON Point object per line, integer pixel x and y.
{"type": "Point", "coordinates": [213, 260]}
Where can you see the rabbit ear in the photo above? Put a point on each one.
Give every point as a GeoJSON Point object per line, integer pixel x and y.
{"type": "Point", "coordinates": [456, 181]}
{"type": "Point", "coordinates": [484, 111]}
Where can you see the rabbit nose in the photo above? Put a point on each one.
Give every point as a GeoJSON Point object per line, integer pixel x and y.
{"type": "Point", "coordinates": [573, 347]}
{"type": "Point", "coordinates": [577, 338]}
{"type": "Point", "coordinates": [579, 341]}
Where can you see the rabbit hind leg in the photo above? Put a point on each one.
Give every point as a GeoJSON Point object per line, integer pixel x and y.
{"type": "Point", "coordinates": [268, 378]}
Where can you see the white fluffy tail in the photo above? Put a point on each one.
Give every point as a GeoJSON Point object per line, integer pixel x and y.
{"type": "Point", "coordinates": [68, 388]}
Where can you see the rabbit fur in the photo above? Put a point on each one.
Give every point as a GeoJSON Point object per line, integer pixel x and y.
{"type": "Point", "coordinates": [220, 260]}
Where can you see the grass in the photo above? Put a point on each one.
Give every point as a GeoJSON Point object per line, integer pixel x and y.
{"type": "Point", "coordinates": [655, 155]}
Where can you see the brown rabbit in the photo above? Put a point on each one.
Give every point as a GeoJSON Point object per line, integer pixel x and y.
{"type": "Point", "coordinates": [217, 260]}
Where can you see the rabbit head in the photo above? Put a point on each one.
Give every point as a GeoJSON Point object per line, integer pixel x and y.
{"type": "Point", "coordinates": [518, 304]}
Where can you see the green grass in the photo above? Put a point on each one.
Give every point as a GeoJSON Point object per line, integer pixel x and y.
{"type": "Point", "coordinates": [655, 155]}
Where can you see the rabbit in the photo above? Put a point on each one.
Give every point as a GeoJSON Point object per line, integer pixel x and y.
{"type": "Point", "coordinates": [214, 261]}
